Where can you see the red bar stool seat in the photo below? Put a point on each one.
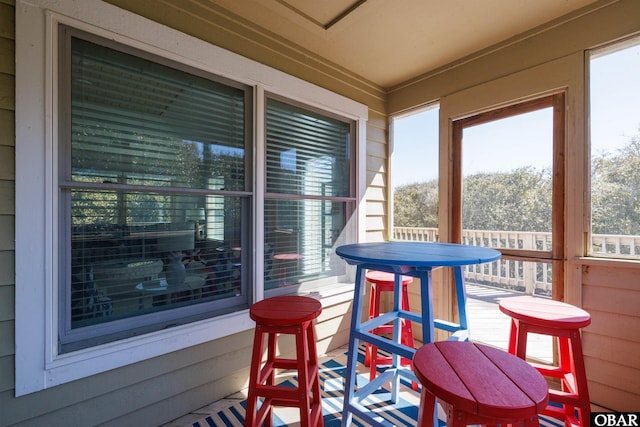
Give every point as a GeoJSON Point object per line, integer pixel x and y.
{"type": "Point", "coordinates": [564, 321]}
{"type": "Point", "coordinates": [292, 315]}
{"type": "Point", "coordinates": [477, 384]}
{"type": "Point", "coordinates": [384, 282]}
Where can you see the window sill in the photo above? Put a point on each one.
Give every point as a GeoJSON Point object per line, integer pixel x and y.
{"type": "Point", "coordinates": [338, 294]}
{"type": "Point", "coordinates": [608, 262]}
{"type": "Point", "coordinates": [84, 363]}
{"type": "Point", "coordinates": [91, 361]}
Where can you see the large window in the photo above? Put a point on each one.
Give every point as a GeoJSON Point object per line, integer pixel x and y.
{"type": "Point", "coordinates": [155, 194]}
{"type": "Point", "coordinates": [615, 150]}
{"type": "Point", "coordinates": [141, 189]}
{"type": "Point", "coordinates": [154, 186]}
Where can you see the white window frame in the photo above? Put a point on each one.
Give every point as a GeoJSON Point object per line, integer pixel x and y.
{"type": "Point", "coordinates": [38, 364]}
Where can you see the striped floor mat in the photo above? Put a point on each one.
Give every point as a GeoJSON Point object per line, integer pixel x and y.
{"type": "Point", "coordinates": [332, 376]}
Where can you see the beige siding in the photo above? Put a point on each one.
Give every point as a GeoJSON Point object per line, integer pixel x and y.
{"type": "Point", "coordinates": [611, 343]}
{"type": "Point", "coordinates": [7, 200]}
{"type": "Point", "coordinates": [377, 177]}
{"type": "Point", "coordinates": [7, 270]}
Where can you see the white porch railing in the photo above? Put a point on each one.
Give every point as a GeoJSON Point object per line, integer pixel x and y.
{"type": "Point", "coordinates": [528, 277]}
{"type": "Point", "coordinates": [614, 244]}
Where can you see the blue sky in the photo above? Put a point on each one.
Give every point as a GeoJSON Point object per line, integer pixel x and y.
{"type": "Point", "coordinates": [615, 118]}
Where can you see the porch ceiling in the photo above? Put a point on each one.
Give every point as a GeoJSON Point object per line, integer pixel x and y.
{"type": "Point", "coordinates": [390, 41]}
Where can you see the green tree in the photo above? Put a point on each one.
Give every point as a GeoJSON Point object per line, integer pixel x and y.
{"type": "Point", "coordinates": [615, 196]}
{"type": "Point", "coordinates": [416, 205]}
{"type": "Point", "coordinates": [519, 200]}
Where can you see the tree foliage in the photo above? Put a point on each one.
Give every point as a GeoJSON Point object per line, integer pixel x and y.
{"type": "Point", "coordinates": [520, 200]}
{"type": "Point", "coordinates": [517, 200]}
{"type": "Point", "coordinates": [416, 205]}
{"type": "Point", "coordinates": [616, 191]}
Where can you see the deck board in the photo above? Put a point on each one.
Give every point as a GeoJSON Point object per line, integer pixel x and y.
{"type": "Point", "coordinates": [488, 325]}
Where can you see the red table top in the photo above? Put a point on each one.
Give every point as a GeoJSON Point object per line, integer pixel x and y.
{"type": "Point", "coordinates": [285, 310]}
{"type": "Point", "coordinates": [481, 380]}
{"type": "Point", "coordinates": [545, 312]}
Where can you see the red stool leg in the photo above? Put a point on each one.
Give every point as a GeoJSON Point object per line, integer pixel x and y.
{"type": "Point", "coordinates": [427, 407]}
{"type": "Point", "coordinates": [316, 418]}
{"type": "Point", "coordinates": [565, 365]}
{"type": "Point", "coordinates": [573, 379]}
{"type": "Point", "coordinates": [513, 337]}
{"type": "Point", "coordinates": [580, 373]}
{"type": "Point", "coordinates": [407, 328]}
{"type": "Point", "coordinates": [303, 375]}
{"type": "Point", "coordinates": [271, 356]}
{"type": "Point", "coordinates": [521, 340]}
{"type": "Point", "coordinates": [256, 367]}
{"type": "Point", "coordinates": [532, 422]}
{"type": "Point", "coordinates": [373, 363]}
{"type": "Point", "coordinates": [374, 310]}
{"type": "Point", "coordinates": [373, 350]}
{"type": "Point", "coordinates": [271, 378]}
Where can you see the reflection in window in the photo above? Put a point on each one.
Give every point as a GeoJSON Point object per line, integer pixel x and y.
{"type": "Point", "coordinates": [152, 194]}
{"type": "Point", "coordinates": [309, 195]}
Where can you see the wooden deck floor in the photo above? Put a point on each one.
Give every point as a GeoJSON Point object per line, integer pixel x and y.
{"type": "Point", "coordinates": [489, 325]}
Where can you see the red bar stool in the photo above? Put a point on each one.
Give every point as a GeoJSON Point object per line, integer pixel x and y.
{"type": "Point", "coordinates": [477, 384]}
{"type": "Point", "coordinates": [292, 315]}
{"type": "Point", "coordinates": [384, 282]}
{"type": "Point", "coordinates": [561, 320]}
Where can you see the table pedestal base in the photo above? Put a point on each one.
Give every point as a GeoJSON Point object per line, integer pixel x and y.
{"type": "Point", "coordinates": [365, 332]}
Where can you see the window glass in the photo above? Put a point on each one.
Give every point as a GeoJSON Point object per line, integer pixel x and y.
{"type": "Point", "coordinates": [309, 170]}
{"type": "Point", "coordinates": [615, 151]}
{"type": "Point", "coordinates": [149, 124]}
{"type": "Point", "coordinates": [507, 184]}
{"type": "Point", "coordinates": [507, 173]}
{"type": "Point", "coordinates": [153, 194]}
{"type": "Point", "coordinates": [414, 175]}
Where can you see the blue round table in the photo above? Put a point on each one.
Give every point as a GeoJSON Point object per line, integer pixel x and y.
{"type": "Point", "coordinates": [416, 259]}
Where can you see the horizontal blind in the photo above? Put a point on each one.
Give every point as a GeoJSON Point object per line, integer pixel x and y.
{"type": "Point", "coordinates": [308, 178]}
{"type": "Point", "coordinates": [131, 116]}
{"type": "Point", "coordinates": [154, 238]}
{"type": "Point", "coordinates": [307, 153]}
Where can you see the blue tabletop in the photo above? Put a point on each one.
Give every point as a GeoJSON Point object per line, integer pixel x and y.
{"type": "Point", "coordinates": [416, 254]}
